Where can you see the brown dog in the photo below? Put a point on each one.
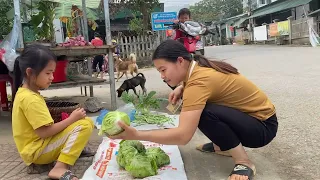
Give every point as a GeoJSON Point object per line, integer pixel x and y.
{"type": "Point", "coordinates": [123, 66]}
{"type": "Point", "coordinates": [133, 67]}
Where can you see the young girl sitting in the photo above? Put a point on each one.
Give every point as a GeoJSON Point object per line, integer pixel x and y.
{"type": "Point", "coordinates": [38, 139]}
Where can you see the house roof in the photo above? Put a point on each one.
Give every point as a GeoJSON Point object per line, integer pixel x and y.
{"type": "Point", "coordinates": [277, 6]}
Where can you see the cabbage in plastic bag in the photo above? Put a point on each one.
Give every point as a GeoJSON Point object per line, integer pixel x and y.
{"type": "Point", "coordinates": [134, 143]}
{"type": "Point", "coordinates": [142, 166]}
{"type": "Point", "coordinates": [110, 125]}
{"type": "Point", "coordinates": [158, 155]}
{"type": "Point", "coordinates": [125, 155]}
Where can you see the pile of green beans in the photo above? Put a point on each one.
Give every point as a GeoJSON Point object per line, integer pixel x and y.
{"type": "Point", "coordinates": [149, 118]}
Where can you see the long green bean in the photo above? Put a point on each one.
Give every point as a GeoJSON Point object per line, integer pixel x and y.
{"type": "Point", "coordinates": [149, 118]}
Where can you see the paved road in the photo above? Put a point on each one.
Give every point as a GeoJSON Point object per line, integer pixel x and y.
{"type": "Point", "coordinates": [290, 77]}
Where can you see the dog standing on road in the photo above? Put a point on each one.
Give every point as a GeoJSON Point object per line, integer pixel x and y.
{"type": "Point", "coordinates": [132, 83]}
{"type": "Point", "coordinates": [129, 64]}
{"type": "Point", "coordinates": [133, 67]}
{"type": "Point", "coordinates": [121, 67]}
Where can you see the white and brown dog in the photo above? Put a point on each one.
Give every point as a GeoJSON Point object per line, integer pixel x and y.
{"type": "Point", "coordinates": [133, 67]}
{"type": "Point", "coordinates": [128, 64]}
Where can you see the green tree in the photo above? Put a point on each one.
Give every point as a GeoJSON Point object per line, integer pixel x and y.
{"type": "Point", "coordinates": [45, 16]}
{"type": "Point", "coordinates": [211, 10]}
{"type": "Point", "coordinates": [135, 25]}
{"type": "Point", "coordinates": [145, 7]}
{"type": "Point", "coordinates": [138, 8]}
{"type": "Point", "coordinates": [5, 24]}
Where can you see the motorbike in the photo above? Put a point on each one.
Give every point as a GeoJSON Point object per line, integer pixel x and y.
{"type": "Point", "coordinates": [191, 39]}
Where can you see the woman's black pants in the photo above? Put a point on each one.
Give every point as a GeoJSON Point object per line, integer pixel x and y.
{"type": "Point", "coordinates": [227, 127]}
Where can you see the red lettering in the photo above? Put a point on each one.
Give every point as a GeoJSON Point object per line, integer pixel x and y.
{"type": "Point", "coordinates": [109, 153]}
{"type": "Point", "coordinates": [98, 162]}
{"type": "Point", "coordinates": [105, 163]}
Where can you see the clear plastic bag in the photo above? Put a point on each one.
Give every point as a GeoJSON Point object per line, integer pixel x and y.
{"type": "Point", "coordinates": [9, 44]}
{"type": "Point", "coordinates": [129, 109]}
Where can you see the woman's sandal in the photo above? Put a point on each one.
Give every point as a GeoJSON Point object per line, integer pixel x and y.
{"type": "Point", "coordinates": [209, 148]}
{"type": "Point", "coordinates": [68, 175]}
{"type": "Point", "coordinates": [240, 169]}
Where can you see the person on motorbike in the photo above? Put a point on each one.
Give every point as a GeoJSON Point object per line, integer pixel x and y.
{"type": "Point", "coordinates": [183, 16]}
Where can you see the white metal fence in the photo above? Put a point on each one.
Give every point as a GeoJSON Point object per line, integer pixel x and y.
{"type": "Point", "coordinates": [143, 46]}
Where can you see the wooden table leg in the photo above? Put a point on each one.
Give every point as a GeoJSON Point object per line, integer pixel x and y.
{"type": "Point", "coordinates": [90, 74]}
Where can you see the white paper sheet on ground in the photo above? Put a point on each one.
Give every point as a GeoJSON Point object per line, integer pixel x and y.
{"type": "Point", "coordinates": [105, 166]}
{"type": "Point", "coordinates": [175, 119]}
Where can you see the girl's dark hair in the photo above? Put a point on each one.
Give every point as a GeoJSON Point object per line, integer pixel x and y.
{"type": "Point", "coordinates": [170, 50]}
{"type": "Point", "coordinates": [34, 56]}
{"type": "Point", "coordinates": [184, 11]}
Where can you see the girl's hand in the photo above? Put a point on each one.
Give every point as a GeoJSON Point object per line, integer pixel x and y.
{"type": "Point", "coordinates": [176, 21]}
{"type": "Point", "coordinates": [129, 133]}
{"type": "Point", "coordinates": [78, 114]}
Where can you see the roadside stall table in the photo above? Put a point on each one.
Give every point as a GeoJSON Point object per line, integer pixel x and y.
{"type": "Point", "coordinates": [76, 54]}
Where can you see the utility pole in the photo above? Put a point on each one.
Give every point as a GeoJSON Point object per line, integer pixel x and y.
{"type": "Point", "coordinates": [85, 20]}
{"type": "Point", "coordinates": [250, 20]}
{"type": "Point", "coordinates": [110, 56]}
{"type": "Point", "coordinates": [16, 4]}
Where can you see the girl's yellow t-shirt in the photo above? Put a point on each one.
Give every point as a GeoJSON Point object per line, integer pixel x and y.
{"type": "Point", "coordinates": [29, 112]}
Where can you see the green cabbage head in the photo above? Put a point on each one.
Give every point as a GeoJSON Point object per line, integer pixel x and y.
{"type": "Point", "coordinates": [125, 155]}
{"type": "Point", "coordinates": [110, 125]}
{"type": "Point", "coordinates": [142, 166]}
{"type": "Point", "coordinates": [158, 155]}
{"type": "Point", "coordinates": [134, 143]}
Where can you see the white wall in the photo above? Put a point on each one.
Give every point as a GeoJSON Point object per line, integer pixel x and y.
{"type": "Point", "coordinates": [260, 33]}
{"type": "Point", "coordinates": [257, 2]}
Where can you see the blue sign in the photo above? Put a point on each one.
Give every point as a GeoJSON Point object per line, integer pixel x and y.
{"type": "Point", "coordinates": [162, 20]}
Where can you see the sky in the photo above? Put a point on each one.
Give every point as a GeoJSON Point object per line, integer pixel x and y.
{"type": "Point", "coordinates": [176, 5]}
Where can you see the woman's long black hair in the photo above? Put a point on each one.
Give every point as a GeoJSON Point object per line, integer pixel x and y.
{"type": "Point", "coordinates": [170, 50]}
